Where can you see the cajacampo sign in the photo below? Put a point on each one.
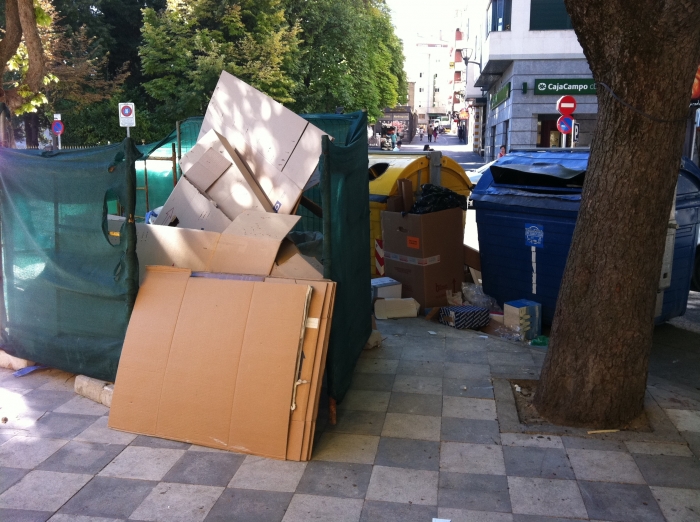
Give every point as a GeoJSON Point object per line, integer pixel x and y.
{"type": "Point", "coordinates": [565, 86]}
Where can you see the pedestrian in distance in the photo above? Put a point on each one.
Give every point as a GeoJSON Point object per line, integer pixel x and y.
{"type": "Point", "coordinates": [435, 134]}
{"type": "Point", "coordinates": [420, 132]}
{"type": "Point", "coordinates": [503, 151]}
{"type": "Point", "coordinates": [426, 148]}
{"type": "Point", "coordinates": [430, 133]}
{"type": "Point", "coordinates": [398, 146]}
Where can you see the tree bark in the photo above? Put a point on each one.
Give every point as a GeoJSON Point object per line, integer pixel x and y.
{"type": "Point", "coordinates": [647, 52]}
{"type": "Point", "coordinates": [35, 50]}
{"type": "Point", "coordinates": [13, 34]}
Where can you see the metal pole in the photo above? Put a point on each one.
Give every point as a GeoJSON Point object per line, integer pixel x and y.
{"type": "Point", "coordinates": [573, 129]}
{"type": "Point", "coordinates": [563, 140]}
{"type": "Point", "coordinates": [179, 145]}
{"type": "Point", "coordinates": [128, 133]}
{"type": "Point", "coordinates": [174, 158]}
{"type": "Point", "coordinates": [59, 142]}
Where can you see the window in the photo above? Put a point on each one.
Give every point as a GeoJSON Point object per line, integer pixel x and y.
{"type": "Point", "coordinates": [548, 15]}
{"type": "Point", "coordinates": [498, 16]}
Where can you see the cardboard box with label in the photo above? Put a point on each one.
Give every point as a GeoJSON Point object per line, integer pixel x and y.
{"type": "Point", "coordinates": [424, 252]}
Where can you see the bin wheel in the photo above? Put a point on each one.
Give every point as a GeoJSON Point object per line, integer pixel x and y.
{"type": "Point", "coordinates": [695, 281]}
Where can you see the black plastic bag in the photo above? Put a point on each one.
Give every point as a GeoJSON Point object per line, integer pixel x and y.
{"type": "Point", "coordinates": [435, 199]}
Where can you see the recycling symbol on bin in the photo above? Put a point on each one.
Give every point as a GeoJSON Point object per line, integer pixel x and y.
{"type": "Point", "coordinates": [534, 235]}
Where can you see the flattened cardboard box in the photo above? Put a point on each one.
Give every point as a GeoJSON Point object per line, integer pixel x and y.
{"type": "Point", "coordinates": [229, 252]}
{"type": "Point", "coordinates": [223, 377]}
{"type": "Point", "coordinates": [424, 252]}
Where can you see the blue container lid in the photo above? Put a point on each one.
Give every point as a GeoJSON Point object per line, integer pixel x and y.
{"type": "Point", "coordinates": [552, 180]}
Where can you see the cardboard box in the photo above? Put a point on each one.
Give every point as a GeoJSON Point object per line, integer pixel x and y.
{"type": "Point", "coordinates": [201, 364]}
{"type": "Point", "coordinates": [385, 287]}
{"type": "Point", "coordinates": [424, 253]}
{"type": "Point", "coordinates": [472, 258]}
{"type": "Point", "coordinates": [254, 243]}
{"type": "Point", "coordinates": [523, 316]}
{"type": "Point", "coordinates": [396, 308]}
{"type": "Point", "coordinates": [242, 114]}
{"type": "Point", "coordinates": [188, 208]}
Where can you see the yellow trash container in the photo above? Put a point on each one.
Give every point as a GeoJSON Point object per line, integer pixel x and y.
{"type": "Point", "coordinates": [386, 169]}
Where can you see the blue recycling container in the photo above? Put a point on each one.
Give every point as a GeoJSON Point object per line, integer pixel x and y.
{"type": "Point", "coordinates": [526, 208]}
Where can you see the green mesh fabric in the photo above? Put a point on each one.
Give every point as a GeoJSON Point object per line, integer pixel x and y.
{"type": "Point", "coordinates": [68, 291]}
{"type": "Point", "coordinates": [160, 172]}
{"type": "Point", "coordinates": [344, 196]}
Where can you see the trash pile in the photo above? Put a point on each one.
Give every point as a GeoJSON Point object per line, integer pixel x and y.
{"type": "Point", "coordinates": [228, 337]}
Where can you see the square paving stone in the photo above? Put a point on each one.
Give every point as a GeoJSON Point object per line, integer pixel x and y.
{"type": "Point", "coordinates": [204, 468]}
{"type": "Point", "coordinates": [303, 508]}
{"type": "Point", "coordinates": [82, 406]}
{"type": "Point", "coordinates": [469, 408]}
{"type": "Point", "coordinates": [403, 485]}
{"type": "Point", "coordinates": [656, 448]}
{"type": "Point", "coordinates": [383, 366]}
{"type": "Point", "coordinates": [537, 462]}
{"type": "Point", "coordinates": [100, 432]}
{"type": "Point", "coordinates": [387, 350]}
{"type": "Point", "coordinates": [109, 497]}
{"type": "Point", "coordinates": [46, 400]}
{"type": "Point", "coordinates": [421, 368]}
{"type": "Point", "coordinates": [156, 442]}
{"type": "Point", "coordinates": [177, 503]}
{"type": "Point", "coordinates": [61, 425]}
{"type": "Point", "coordinates": [515, 371]}
{"type": "Point", "coordinates": [477, 388]}
{"type": "Point", "coordinates": [678, 505]}
{"type": "Point", "coordinates": [346, 447]}
{"type": "Point", "coordinates": [81, 457]}
{"type": "Point", "coordinates": [335, 479]}
{"type": "Point", "coordinates": [531, 441]}
{"type": "Point", "coordinates": [481, 459]}
{"type": "Point", "coordinates": [407, 453]}
{"type": "Point", "coordinates": [417, 384]}
{"type": "Point", "coordinates": [537, 518]}
{"type": "Point", "coordinates": [268, 474]}
{"type": "Point", "coordinates": [10, 476]}
{"type": "Point", "coordinates": [433, 355]}
{"type": "Point", "coordinates": [592, 444]}
{"type": "Point", "coordinates": [467, 371]}
{"type": "Point", "coordinates": [685, 420]}
{"type": "Point", "coordinates": [249, 505]}
{"type": "Point", "coordinates": [671, 472]}
{"type": "Point", "coordinates": [142, 463]}
{"type": "Point", "coordinates": [517, 359]}
{"type": "Point", "coordinates": [363, 400]}
{"type": "Point", "coordinates": [470, 430]}
{"type": "Point", "coordinates": [546, 497]}
{"type": "Point", "coordinates": [620, 502]}
{"type": "Point", "coordinates": [466, 515]}
{"type": "Point", "coordinates": [21, 515]}
{"type": "Point", "coordinates": [415, 404]}
{"type": "Point", "coordinates": [43, 490]}
{"type": "Point", "coordinates": [376, 511]}
{"type": "Point", "coordinates": [372, 382]}
{"type": "Point", "coordinates": [28, 452]}
{"type": "Point", "coordinates": [406, 426]}
{"type": "Point", "coordinates": [79, 518]}
{"type": "Point", "coordinates": [605, 466]}
{"type": "Point", "coordinates": [474, 492]}
{"type": "Point", "coordinates": [358, 422]}
{"type": "Point", "coordinates": [453, 355]}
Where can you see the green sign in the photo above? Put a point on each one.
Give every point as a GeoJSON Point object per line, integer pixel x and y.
{"type": "Point", "coordinates": [565, 86]}
{"type": "Point", "coordinates": [500, 96]}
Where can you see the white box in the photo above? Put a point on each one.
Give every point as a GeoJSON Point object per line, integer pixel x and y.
{"type": "Point", "coordinates": [385, 287]}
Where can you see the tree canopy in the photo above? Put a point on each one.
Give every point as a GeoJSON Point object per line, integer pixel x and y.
{"type": "Point", "coordinates": [166, 56]}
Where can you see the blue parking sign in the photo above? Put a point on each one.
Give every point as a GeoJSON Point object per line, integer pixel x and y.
{"type": "Point", "coordinates": [534, 235]}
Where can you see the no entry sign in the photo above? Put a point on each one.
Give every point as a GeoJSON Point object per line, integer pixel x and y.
{"type": "Point", "coordinates": [566, 105]}
{"type": "Point", "coordinates": [127, 115]}
{"type": "Point", "coordinates": [57, 127]}
{"type": "Point", "coordinates": [565, 124]}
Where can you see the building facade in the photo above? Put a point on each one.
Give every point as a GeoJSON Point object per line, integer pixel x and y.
{"type": "Point", "coordinates": [524, 57]}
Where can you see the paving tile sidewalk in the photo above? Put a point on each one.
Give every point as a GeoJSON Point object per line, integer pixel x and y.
{"type": "Point", "coordinates": [418, 436]}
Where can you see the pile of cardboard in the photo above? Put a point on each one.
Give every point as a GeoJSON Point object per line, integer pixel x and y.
{"type": "Point", "coordinates": [227, 341]}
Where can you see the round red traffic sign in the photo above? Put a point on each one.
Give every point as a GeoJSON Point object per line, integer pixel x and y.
{"type": "Point", "coordinates": [565, 124]}
{"type": "Point", "coordinates": [126, 111]}
{"type": "Point", "coordinates": [566, 105]}
{"type": "Point", "coordinates": [57, 127]}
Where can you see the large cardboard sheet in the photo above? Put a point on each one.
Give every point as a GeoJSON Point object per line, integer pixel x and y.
{"type": "Point", "coordinates": [188, 208]}
{"type": "Point", "coordinates": [207, 368]}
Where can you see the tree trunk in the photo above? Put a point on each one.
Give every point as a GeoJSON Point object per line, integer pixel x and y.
{"type": "Point", "coordinates": [647, 52]}
{"type": "Point", "coordinates": [35, 49]}
{"type": "Point", "coordinates": [31, 129]}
